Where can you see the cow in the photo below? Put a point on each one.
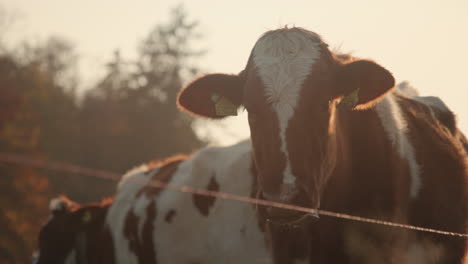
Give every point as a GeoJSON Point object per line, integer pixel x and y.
{"type": "Point", "coordinates": [149, 224]}
{"type": "Point", "coordinates": [75, 234]}
{"type": "Point", "coordinates": [331, 132]}
{"type": "Point", "coordinates": [439, 109]}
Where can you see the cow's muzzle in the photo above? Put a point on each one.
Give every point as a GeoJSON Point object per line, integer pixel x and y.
{"type": "Point", "coordinates": [286, 216]}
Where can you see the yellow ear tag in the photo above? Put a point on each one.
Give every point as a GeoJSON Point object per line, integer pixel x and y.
{"type": "Point", "coordinates": [86, 217]}
{"type": "Point", "coordinates": [350, 100]}
{"type": "Point", "coordinates": [223, 107]}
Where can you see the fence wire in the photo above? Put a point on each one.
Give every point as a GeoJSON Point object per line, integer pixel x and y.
{"type": "Point", "coordinates": [71, 168]}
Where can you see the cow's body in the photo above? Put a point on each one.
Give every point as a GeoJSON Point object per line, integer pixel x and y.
{"type": "Point", "coordinates": [388, 194]}
{"type": "Point", "coordinates": [392, 194]}
{"type": "Point", "coordinates": [330, 132]}
{"type": "Point", "coordinates": [150, 225]}
{"type": "Point", "coordinates": [145, 224]}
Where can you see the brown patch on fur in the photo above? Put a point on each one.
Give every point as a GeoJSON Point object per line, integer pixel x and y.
{"type": "Point", "coordinates": [149, 254]}
{"type": "Point", "coordinates": [130, 232]}
{"type": "Point", "coordinates": [103, 204]}
{"type": "Point", "coordinates": [447, 118]}
{"type": "Point", "coordinates": [165, 171]}
{"type": "Point", "coordinates": [462, 139]}
{"type": "Point", "coordinates": [156, 164]}
{"type": "Point", "coordinates": [204, 203]}
{"type": "Point", "coordinates": [144, 247]}
{"type": "Point", "coordinates": [169, 216]}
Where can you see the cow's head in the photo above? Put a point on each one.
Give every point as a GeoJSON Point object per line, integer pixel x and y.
{"type": "Point", "coordinates": [65, 237]}
{"type": "Point", "coordinates": [291, 87]}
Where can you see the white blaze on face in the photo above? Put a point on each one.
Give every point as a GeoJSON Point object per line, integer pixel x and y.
{"type": "Point", "coordinates": [283, 59]}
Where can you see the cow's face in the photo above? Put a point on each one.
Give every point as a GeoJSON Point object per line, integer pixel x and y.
{"type": "Point", "coordinates": [289, 95]}
{"type": "Point", "coordinates": [56, 241]}
{"type": "Point", "coordinates": [64, 238]}
{"type": "Point", "coordinates": [291, 88]}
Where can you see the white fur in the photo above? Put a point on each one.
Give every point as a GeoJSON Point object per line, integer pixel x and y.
{"type": "Point", "coordinates": [283, 59]}
{"type": "Point", "coordinates": [192, 237]}
{"type": "Point", "coordinates": [57, 204]}
{"type": "Point", "coordinates": [124, 202]}
{"type": "Point", "coordinates": [407, 89]}
{"type": "Point", "coordinates": [396, 128]}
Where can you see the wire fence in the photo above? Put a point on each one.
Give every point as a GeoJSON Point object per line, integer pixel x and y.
{"type": "Point", "coordinates": [71, 168]}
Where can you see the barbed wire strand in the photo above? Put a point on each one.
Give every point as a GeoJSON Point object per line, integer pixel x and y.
{"type": "Point", "coordinates": [71, 168]}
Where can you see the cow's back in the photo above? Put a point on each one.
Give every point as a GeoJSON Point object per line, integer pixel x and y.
{"type": "Point", "coordinates": [441, 153]}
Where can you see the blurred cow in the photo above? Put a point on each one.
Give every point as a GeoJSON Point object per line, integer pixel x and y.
{"type": "Point", "coordinates": [145, 224]}
{"type": "Point", "coordinates": [75, 234]}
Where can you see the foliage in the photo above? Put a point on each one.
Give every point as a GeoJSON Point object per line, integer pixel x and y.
{"type": "Point", "coordinates": [127, 118]}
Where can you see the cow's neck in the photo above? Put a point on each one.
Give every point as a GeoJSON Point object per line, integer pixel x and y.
{"type": "Point", "coordinates": [94, 245]}
{"type": "Point", "coordinates": [368, 161]}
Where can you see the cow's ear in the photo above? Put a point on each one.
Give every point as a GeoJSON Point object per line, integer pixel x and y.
{"type": "Point", "coordinates": [61, 205]}
{"type": "Point", "coordinates": [212, 96]}
{"type": "Point", "coordinates": [363, 83]}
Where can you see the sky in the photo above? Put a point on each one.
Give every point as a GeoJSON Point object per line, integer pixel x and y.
{"type": "Point", "coordinates": [422, 41]}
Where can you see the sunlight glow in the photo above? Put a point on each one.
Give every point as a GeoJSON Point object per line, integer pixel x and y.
{"type": "Point", "coordinates": [423, 42]}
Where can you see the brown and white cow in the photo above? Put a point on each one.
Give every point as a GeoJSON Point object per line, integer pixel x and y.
{"type": "Point", "coordinates": [75, 234]}
{"type": "Point", "coordinates": [331, 132]}
{"type": "Point", "coordinates": [145, 224]}
{"type": "Point", "coordinates": [153, 225]}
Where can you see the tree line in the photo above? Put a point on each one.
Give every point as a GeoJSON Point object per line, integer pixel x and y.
{"type": "Point", "coordinates": [127, 117]}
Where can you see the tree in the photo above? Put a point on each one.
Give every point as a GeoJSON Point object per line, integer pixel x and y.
{"type": "Point", "coordinates": [25, 190]}
{"type": "Point", "coordinates": [36, 119]}
{"type": "Point", "coordinates": [131, 115]}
